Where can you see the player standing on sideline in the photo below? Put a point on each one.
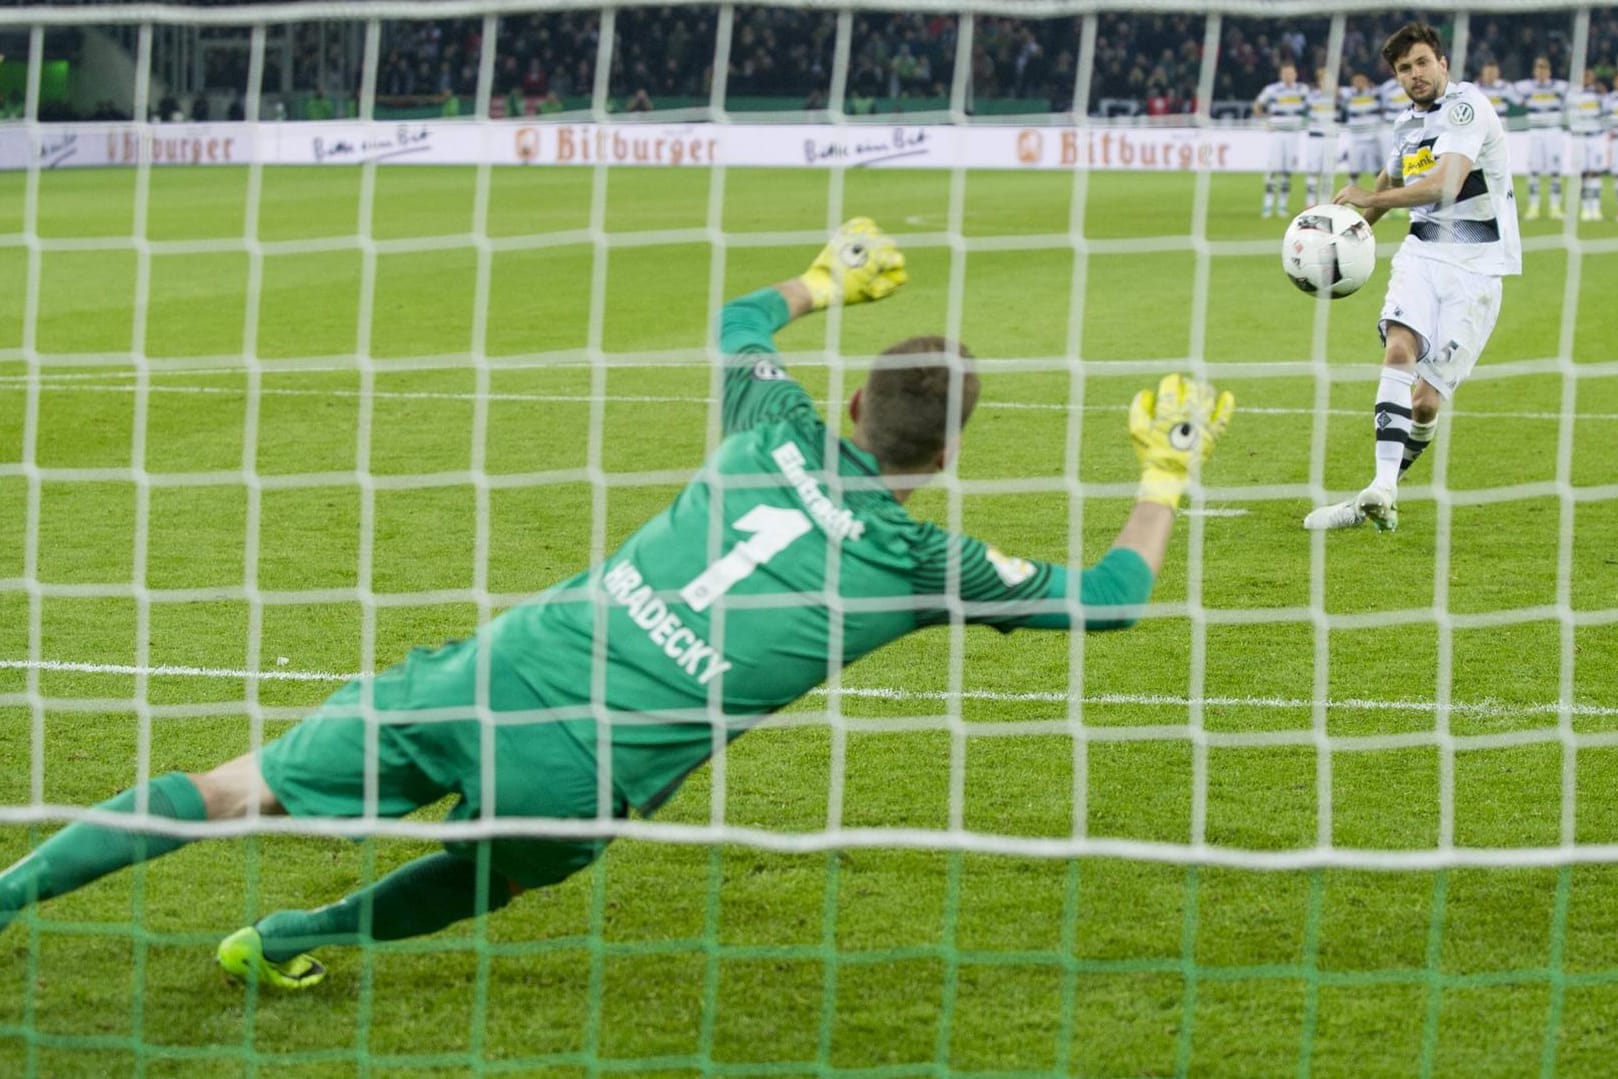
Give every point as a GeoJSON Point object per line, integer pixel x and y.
{"type": "Point", "coordinates": [608, 690]}
{"type": "Point", "coordinates": [1501, 94]}
{"type": "Point", "coordinates": [1588, 128]}
{"type": "Point", "coordinates": [1320, 147]}
{"type": "Point", "coordinates": [1609, 109]}
{"type": "Point", "coordinates": [1362, 112]}
{"type": "Point", "coordinates": [1282, 106]}
{"type": "Point", "coordinates": [1451, 168]}
{"type": "Point", "coordinates": [1544, 98]}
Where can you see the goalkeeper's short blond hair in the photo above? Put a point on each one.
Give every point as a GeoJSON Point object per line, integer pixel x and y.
{"type": "Point", "coordinates": [907, 401]}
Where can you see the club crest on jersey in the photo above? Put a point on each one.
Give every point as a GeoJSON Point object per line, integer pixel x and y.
{"type": "Point", "coordinates": [1419, 162]}
{"type": "Point", "coordinates": [1460, 113]}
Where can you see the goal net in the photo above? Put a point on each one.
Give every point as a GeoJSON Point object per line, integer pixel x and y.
{"type": "Point", "coordinates": [368, 321]}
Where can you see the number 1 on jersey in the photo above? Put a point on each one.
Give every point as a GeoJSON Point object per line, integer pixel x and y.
{"type": "Point", "coordinates": [773, 530]}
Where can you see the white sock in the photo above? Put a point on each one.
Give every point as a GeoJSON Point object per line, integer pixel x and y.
{"type": "Point", "coordinates": [1392, 423]}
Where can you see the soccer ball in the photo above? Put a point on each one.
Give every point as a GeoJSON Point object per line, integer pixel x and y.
{"type": "Point", "coordinates": [1329, 249]}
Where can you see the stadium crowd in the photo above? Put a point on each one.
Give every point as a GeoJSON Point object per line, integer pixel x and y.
{"type": "Point", "coordinates": [1152, 61]}
{"type": "Point", "coordinates": [1144, 63]}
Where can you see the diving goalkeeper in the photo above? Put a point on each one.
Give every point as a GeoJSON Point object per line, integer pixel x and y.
{"type": "Point", "coordinates": [600, 695]}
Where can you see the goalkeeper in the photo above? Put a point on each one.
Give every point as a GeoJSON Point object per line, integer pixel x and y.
{"type": "Point", "coordinates": [771, 569]}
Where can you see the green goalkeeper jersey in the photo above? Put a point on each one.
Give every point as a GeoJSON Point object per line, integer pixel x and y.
{"type": "Point", "coordinates": [763, 577]}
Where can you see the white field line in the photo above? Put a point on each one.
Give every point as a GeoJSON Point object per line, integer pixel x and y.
{"type": "Point", "coordinates": [84, 383]}
{"type": "Point", "coordinates": [836, 839]}
{"type": "Point", "coordinates": [1478, 708]}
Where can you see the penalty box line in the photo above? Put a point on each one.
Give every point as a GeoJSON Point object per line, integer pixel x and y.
{"type": "Point", "coordinates": [1483, 709]}
{"type": "Point", "coordinates": [87, 383]}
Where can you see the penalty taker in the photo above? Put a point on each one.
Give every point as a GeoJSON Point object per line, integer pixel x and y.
{"type": "Point", "coordinates": [608, 689]}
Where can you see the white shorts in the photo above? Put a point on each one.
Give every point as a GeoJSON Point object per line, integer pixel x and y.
{"type": "Point", "coordinates": [1590, 152]}
{"type": "Point", "coordinates": [1365, 155]}
{"type": "Point", "coordinates": [1544, 150]}
{"type": "Point", "coordinates": [1319, 153]}
{"type": "Point", "coordinates": [1284, 151]}
{"type": "Point", "coordinates": [1451, 311]}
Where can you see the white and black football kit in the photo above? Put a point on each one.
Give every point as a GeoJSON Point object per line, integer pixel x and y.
{"type": "Point", "coordinates": [1502, 95]}
{"type": "Point", "coordinates": [1362, 115]}
{"type": "Point", "coordinates": [1545, 102]}
{"type": "Point", "coordinates": [1589, 130]}
{"type": "Point", "coordinates": [1445, 282]}
{"type": "Point", "coordinates": [1320, 143]}
{"type": "Point", "coordinates": [1391, 94]}
{"type": "Point", "coordinates": [1284, 106]}
{"type": "Point", "coordinates": [1609, 111]}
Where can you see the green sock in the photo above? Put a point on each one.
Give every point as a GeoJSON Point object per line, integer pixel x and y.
{"type": "Point", "coordinates": [418, 898]}
{"type": "Point", "coordinates": [83, 852]}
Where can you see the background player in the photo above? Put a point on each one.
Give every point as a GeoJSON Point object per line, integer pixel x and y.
{"type": "Point", "coordinates": [1587, 128]}
{"type": "Point", "coordinates": [1362, 114]}
{"type": "Point", "coordinates": [1501, 94]}
{"type": "Point", "coordinates": [1609, 110]}
{"type": "Point", "coordinates": [1320, 146]}
{"type": "Point", "coordinates": [714, 614]}
{"type": "Point", "coordinates": [1451, 168]}
{"type": "Point", "coordinates": [1544, 98]}
{"type": "Point", "coordinates": [1394, 103]}
{"type": "Point", "coordinates": [1282, 106]}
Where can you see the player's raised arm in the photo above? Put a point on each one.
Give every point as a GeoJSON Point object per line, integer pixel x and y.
{"type": "Point", "coordinates": [1174, 429]}
{"type": "Point", "coordinates": [860, 264]}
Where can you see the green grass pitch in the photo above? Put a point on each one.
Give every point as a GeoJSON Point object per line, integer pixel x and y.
{"type": "Point", "coordinates": [679, 961]}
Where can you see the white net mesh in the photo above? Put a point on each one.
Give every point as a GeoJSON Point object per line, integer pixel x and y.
{"type": "Point", "coordinates": [1346, 735]}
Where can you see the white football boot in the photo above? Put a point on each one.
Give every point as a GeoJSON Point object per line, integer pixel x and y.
{"type": "Point", "coordinates": [1345, 514]}
{"type": "Point", "coordinates": [1380, 505]}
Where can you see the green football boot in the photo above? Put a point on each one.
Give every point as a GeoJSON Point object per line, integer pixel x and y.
{"type": "Point", "coordinates": [242, 956]}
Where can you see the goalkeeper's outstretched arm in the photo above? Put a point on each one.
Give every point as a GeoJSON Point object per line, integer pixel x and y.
{"type": "Point", "coordinates": [1174, 429]}
{"type": "Point", "coordinates": [861, 264]}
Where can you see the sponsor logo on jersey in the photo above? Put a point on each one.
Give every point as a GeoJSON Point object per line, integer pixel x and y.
{"type": "Point", "coordinates": [1419, 162]}
{"type": "Point", "coordinates": [765, 371]}
{"type": "Point", "coordinates": [1012, 571]}
{"type": "Point", "coordinates": [1460, 113]}
{"type": "Point", "coordinates": [839, 523]}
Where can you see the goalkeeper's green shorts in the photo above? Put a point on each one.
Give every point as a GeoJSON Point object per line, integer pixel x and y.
{"type": "Point", "coordinates": [320, 767]}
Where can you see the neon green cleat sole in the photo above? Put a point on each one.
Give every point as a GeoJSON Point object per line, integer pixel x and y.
{"type": "Point", "coordinates": [242, 956]}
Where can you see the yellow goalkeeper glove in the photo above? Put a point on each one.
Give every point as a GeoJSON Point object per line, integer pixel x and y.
{"type": "Point", "coordinates": [861, 263]}
{"type": "Point", "coordinates": [1174, 430]}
